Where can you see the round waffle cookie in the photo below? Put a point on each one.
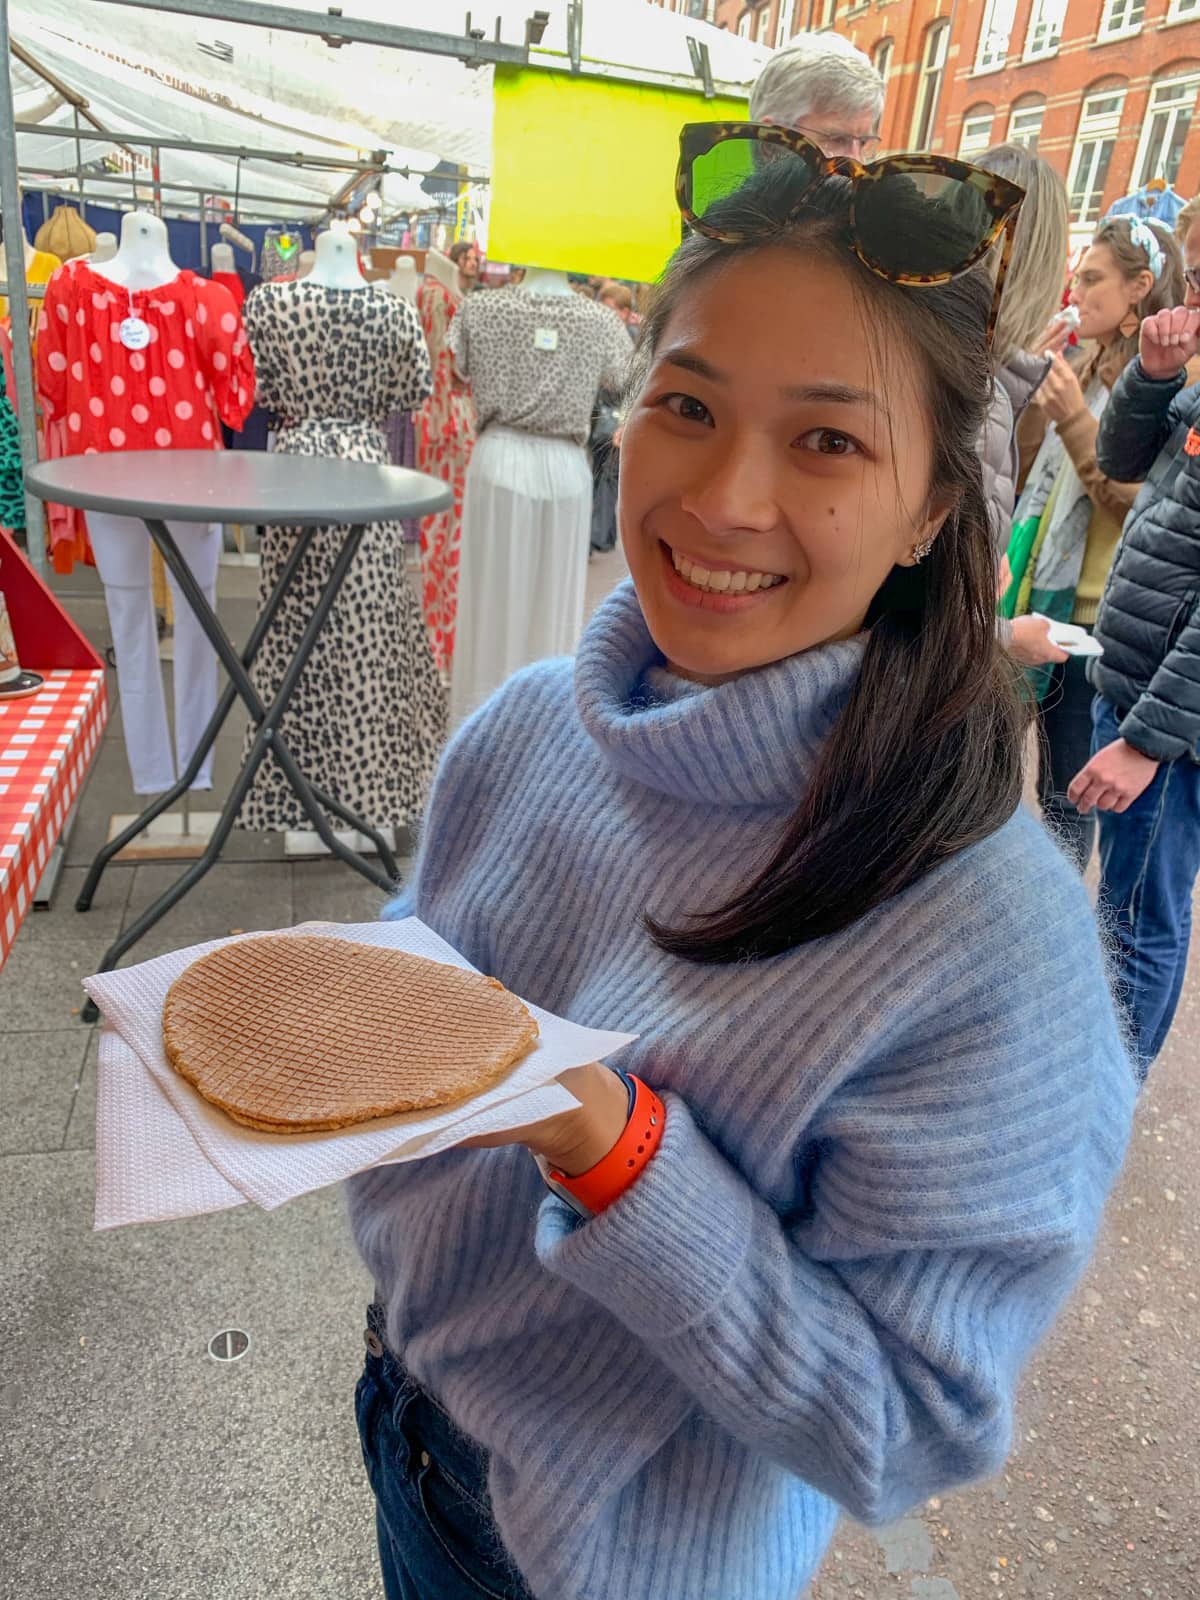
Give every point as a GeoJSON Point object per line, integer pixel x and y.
{"type": "Point", "coordinates": [295, 1033]}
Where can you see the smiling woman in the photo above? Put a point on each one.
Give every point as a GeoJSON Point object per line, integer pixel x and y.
{"type": "Point", "coordinates": [798, 417]}
{"type": "Point", "coordinates": [794, 1257]}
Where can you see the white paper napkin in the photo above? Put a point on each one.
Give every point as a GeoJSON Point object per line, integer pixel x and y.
{"type": "Point", "coordinates": [163, 1151]}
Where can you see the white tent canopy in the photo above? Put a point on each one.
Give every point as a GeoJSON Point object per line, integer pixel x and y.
{"type": "Point", "coordinates": [212, 82]}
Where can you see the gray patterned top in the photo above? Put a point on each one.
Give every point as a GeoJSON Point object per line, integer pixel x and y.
{"type": "Point", "coordinates": [536, 361]}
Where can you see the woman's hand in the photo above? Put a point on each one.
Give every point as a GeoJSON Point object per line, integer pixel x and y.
{"type": "Point", "coordinates": [1168, 341]}
{"type": "Point", "coordinates": [1031, 644]}
{"type": "Point", "coordinates": [573, 1141]}
{"type": "Point", "coordinates": [1060, 395]}
{"type": "Point", "coordinates": [1053, 341]}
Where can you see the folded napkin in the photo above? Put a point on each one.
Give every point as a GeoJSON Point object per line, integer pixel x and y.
{"type": "Point", "coordinates": [162, 1151]}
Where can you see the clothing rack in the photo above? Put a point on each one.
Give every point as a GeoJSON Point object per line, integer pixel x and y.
{"type": "Point", "coordinates": [469, 47]}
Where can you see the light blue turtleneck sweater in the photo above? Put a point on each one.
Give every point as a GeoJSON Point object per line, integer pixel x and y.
{"type": "Point", "coordinates": [885, 1158]}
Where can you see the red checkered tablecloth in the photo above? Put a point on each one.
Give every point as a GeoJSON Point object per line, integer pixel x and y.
{"type": "Point", "coordinates": [46, 745]}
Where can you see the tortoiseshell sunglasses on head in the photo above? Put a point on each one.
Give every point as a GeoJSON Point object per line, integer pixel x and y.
{"type": "Point", "coordinates": [914, 219]}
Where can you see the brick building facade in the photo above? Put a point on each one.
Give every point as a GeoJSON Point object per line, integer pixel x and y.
{"type": "Point", "coordinates": [1107, 90]}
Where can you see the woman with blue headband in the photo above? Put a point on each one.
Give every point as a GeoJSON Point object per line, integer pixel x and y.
{"type": "Point", "coordinates": [1070, 514]}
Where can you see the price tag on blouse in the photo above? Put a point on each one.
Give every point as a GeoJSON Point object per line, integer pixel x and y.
{"type": "Point", "coordinates": [545, 338]}
{"type": "Point", "coordinates": [134, 333]}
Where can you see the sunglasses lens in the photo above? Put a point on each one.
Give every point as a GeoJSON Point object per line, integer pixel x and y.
{"type": "Point", "coordinates": [921, 223]}
{"type": "Point", "coordinates": [722, 171]}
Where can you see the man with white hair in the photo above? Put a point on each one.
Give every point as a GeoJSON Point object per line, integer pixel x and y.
{"type": "Point", "coordinates": [825, 88]}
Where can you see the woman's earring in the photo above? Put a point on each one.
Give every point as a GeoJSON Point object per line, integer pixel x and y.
{"type": "Point", "coordinates": [920, 551]}
{"type": "Point", "coordinates": [1130, 325]}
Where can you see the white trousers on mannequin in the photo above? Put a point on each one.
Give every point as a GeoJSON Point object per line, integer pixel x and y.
{"type": "Point", "coordinates": [522, 576]}
{"type": "Point", "coordinates": [122, 549]}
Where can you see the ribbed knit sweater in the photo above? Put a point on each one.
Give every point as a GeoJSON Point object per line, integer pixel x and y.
{"type": "Point", "coordinates": [885, 1157]}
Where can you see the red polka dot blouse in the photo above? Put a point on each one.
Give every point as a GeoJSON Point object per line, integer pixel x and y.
{"type": "Point", "coordinates": [193, 369]}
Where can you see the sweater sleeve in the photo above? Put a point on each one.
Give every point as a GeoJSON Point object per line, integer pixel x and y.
{"type": "Point", "coordinates": [871, 1342]}
{"type": "Point", "coordinates": [1078, 435]}
{"type": "Point", "coordinates": [1140, 417]}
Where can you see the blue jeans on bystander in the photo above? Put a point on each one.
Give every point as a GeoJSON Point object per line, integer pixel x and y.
{"type": "Point", "coordinates": [437, 1539]}
{"type": "Point", "coordinates": [1149, 862]}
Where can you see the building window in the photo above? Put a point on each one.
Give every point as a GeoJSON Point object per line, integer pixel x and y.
{"type": "Point", "coordinates": [1099, 124]}
{"type": "Point", "coordinates": [828, 14]}
{"type": "Point", "coordinates": [1045, 28]}
{"type": "Point", "coordinates": [1121, 16]}
{"type": "Point", "coordinates": [1025, 125]}
{"type": "Point", "coordinates": [976, 132]}
{"type": "Point", "coordinates": [764, 16]}
{"type": "Point", "coordinates": [744, 25]}
{"type": "Point", "coordinates": [994, 36]}
{"type": "Point", "coordinates": [1165, 129]}
{"type": "Point", "coordinates": [929, 86]}
{"type": "Point", "coordinates": [1182, 9]}
{"type": "Point", "coordinates": [787, 16]}
{"type": "Point", "coordinates": [881, 57]}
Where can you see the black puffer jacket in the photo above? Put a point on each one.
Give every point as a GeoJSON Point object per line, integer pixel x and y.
{"type": "Point", "coordinates": [1149, 622]}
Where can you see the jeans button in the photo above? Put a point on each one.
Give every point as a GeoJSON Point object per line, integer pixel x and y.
{"type": "Point", "coordinates": [372, 1342]}
{"type": "Point", "coordinates": [424, 1458]}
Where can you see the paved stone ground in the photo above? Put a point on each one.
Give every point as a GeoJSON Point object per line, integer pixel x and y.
{"type": "Point", "coordinates": [133, 1467]}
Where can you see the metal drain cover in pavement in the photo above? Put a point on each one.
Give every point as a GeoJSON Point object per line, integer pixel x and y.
{"type": "Point", "coordinates": [230, 1344]}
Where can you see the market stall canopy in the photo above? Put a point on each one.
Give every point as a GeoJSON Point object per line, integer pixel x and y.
{"type": "Point", "coordinates": [214, 82]}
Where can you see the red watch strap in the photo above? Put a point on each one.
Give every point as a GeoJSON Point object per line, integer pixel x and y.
{"type": "Point", "coordinates": [600, 1185]}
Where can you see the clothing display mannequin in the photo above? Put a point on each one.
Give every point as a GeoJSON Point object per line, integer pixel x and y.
{"type": "Point", "coordinates": [367, 720]}
{"type": "Point", "coordinates": [536, 357]}
{"type": "Point", "coordinates": [335, 264]}
{"type": "Point", "coordinates": [105, 249]}
{"type": "Point", "coordinates": [445, 431]}
{"type": "Point", "coordinates": [135, 354]}
{"type": "Point", "coordinates": [403, 280]}
{"type": "Point", "coordinates": [223, 270]}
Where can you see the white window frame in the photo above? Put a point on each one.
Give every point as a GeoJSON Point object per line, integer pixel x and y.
{"type": "Point", "coordinates": [1045, 29]}
{"type": "Point", "coordinates": [1016, 134]}
{"type": "Point", "coordinates": [883, 51]}
{"type": "Point", "coordinates": [976, 134]}
{"type": "Point", "coordinates": [1115, 20]}
{"type": "Point", "coordinates": [995, 36]}
{"type": "Point", "coordinates": [785, 22]}
{"type": "Point", "coordinates": [828, 14]}
{"type": "Point", "coordinates": [930, 78]}
{"type": "Point", "coordinates": [1184, 106]}
{"type": "Point", "coordinates": [1095, 130]}
{"type": "Point", "coordinates": [1183, 11]}
{"type": "Point", "coordinates": [744, 22]}
{"type": "Point", "coordinates": [764, 16]}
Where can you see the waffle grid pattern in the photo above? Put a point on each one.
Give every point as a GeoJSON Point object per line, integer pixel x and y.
{"type": "Point", "coordinates": [303, 1033]}
{"type": "Point", "coordinates": [47, 742]}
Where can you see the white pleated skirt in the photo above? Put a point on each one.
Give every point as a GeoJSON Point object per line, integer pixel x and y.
{"type": "Point", "coordinates": [523, 563]}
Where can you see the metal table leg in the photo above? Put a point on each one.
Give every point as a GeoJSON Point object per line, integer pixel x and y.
{"type": "Point", "coordinates": [207, 738]}
{"type": "Point", "coordinates": [266, 738]}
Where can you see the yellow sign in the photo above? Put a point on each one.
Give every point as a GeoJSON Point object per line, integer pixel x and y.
{"type": "Point", "coordinates": [583, 171]}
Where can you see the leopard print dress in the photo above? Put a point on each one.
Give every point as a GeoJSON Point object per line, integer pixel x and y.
{"type": "Point", "coordinates": [368, 717]}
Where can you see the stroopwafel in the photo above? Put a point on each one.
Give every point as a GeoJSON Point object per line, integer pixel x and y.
{"type": "Point", "coordinates": [296, 1033]}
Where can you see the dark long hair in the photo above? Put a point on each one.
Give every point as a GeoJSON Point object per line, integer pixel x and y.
{"type": "Point", "coordinates": [926, 757]}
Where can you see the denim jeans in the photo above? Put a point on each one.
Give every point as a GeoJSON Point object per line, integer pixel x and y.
{"type": "Point", "coordinates": [1065, 726]}
{"type": "Point", "coordinates": [437, 1539]}
{"type": "Point", "coordinates": [1149, 861]}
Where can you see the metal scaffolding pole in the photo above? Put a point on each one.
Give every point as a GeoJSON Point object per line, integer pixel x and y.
{"type": "Point", "coordinates": [376, 163]}
{"type": "Point", "coordinates": [335, 29]}
{"type": "Point", "coordinates": [14, 271]}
